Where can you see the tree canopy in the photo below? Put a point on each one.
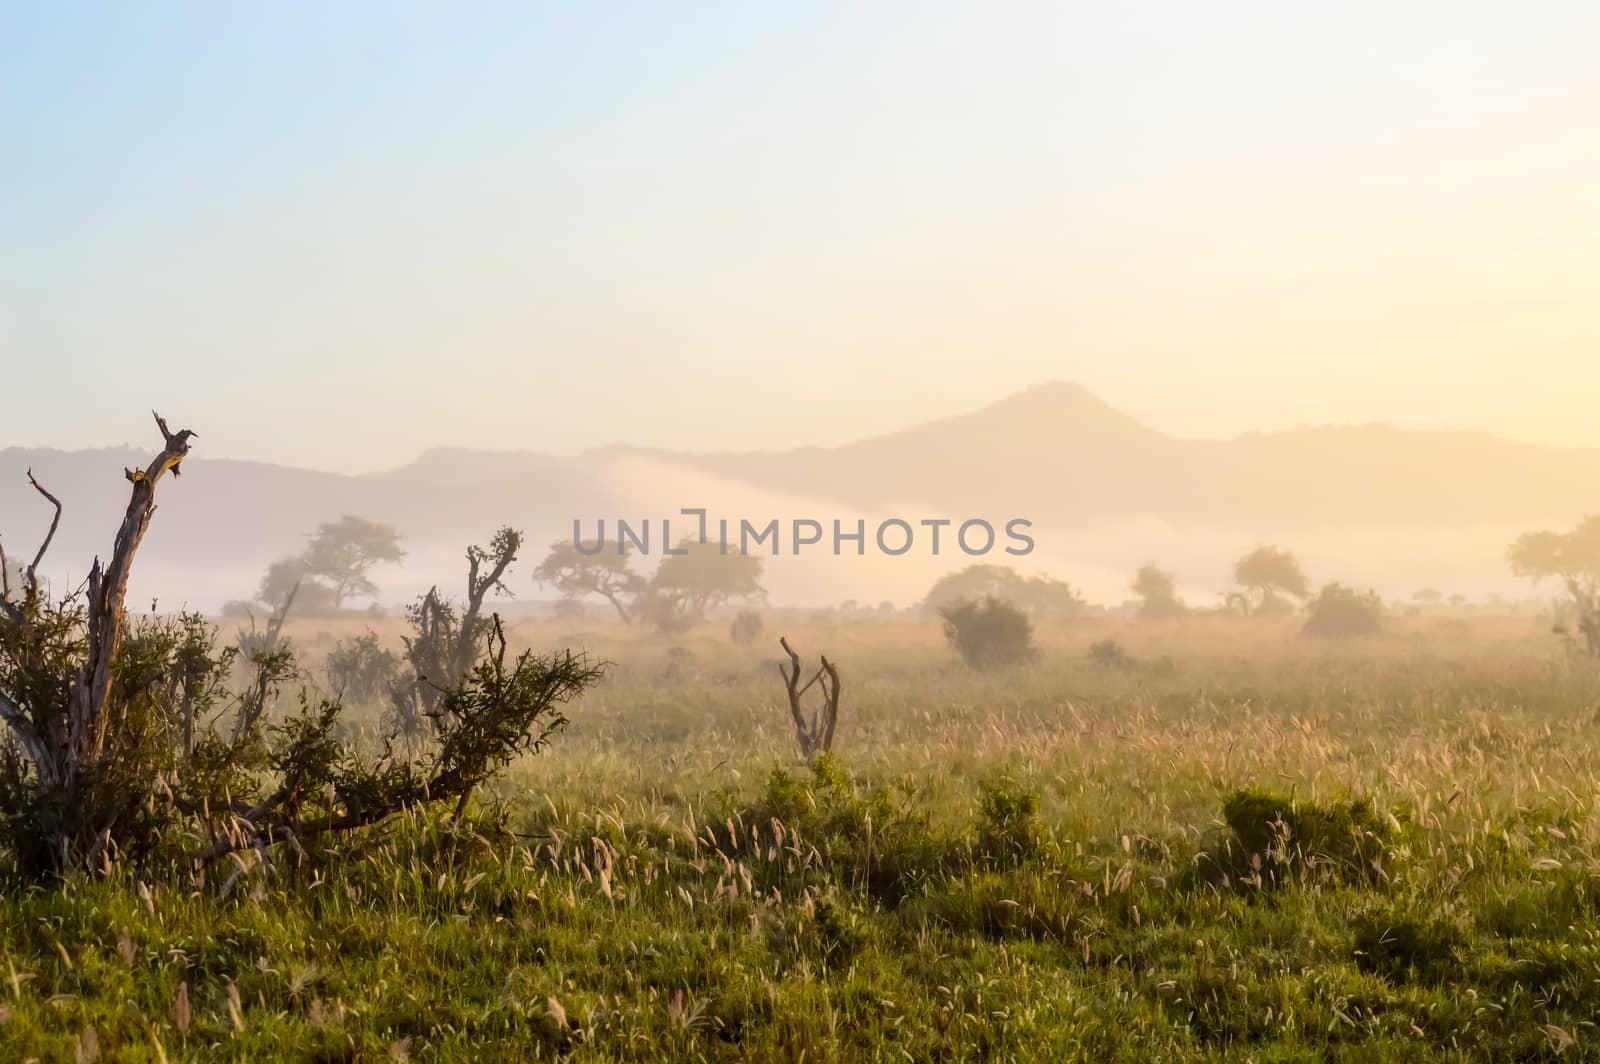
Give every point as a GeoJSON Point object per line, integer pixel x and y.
{"type": "Point", "coordinates": [605, 573]}
{"type": "Point", "coordinates": [688, 584]}
{"type": "Point", "coordinates": [1266, 573]}
{"type": "Point", "coordinates": [1573, 558]}
{"type": "Point", "coordinates": [1039, 594]}
{"type": "Point", "coordinates": [342, 552]}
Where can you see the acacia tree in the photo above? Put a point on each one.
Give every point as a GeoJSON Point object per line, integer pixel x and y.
{"type": "Point", "coordinates": [696, 578]}
{"type": "Point", "coordinates": [576, 574]}
{"type": "Point", "coordinates": [1266, 573]}
{"type": "Point", "coordinates": [1574, 559]}
{"type": "Point", "coordinates": [121, 740]}
{"type": "Point", "coordinates": [290, 579]}
{"type": "Point", "coordinates": [342, 552]}
{"type": "Point", "coordinates": [1039, 594]}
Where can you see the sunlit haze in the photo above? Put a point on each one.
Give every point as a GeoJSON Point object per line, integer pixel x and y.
{"type": "Point", "coordinates": [336, 235]}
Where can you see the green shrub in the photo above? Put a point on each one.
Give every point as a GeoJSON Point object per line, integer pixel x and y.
{"type": "Point", "coordinates": [1403, 946]}
{"type": "Point", "coordinates": [1341, 611]}
{"type": "Point", "coordinates": [988, 634]}
{"type": "Point", "coordinates": [1275, 838]}
{"type": "Point", "coordinates": [1110, 654]}
{"type": "Point", "coordinates": [1008, 821]}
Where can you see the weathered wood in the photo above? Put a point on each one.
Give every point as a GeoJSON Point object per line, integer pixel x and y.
{"type": "Point", "coordinates": [107, 590]}
{"type": "Point", "coordinates": [815, 735]}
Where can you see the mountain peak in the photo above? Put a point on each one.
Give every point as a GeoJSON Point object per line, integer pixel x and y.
{"type": "Point", "coordinates": [1060, 404]}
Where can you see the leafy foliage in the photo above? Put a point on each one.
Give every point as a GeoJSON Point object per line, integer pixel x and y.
{"type": "Point", "coordinates": [361, 669]}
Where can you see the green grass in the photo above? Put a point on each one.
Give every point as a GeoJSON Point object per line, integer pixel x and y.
{"type": "Point", "coordinates": [1261, 850]}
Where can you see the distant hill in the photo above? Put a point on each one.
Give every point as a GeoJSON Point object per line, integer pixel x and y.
{"type": "Point", "coordinates": [1088, 476]}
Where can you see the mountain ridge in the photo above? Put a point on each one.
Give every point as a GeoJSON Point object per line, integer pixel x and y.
{"type": "Point", "coordinates": [1054, 454]}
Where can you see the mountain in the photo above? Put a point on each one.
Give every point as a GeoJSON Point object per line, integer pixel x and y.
{"type": "Point", "coordinates": [1059, 453]}
{"type": "Point", "coordinates": [1374, 502]}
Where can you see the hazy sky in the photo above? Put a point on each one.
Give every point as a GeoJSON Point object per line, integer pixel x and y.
{"type": "Point", "coordinates": [335, 234]}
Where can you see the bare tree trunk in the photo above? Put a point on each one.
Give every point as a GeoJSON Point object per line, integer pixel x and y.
{"type": "Point", "coordinates": [815, 735]}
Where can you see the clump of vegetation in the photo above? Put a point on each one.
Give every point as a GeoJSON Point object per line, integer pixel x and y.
{"type": "Point", "coordinates": [123, 742]}
{"type": "Point", "coordinates": [361, 669]}
{"type": "Point", "coordinates": [1110, 654]}
{"type": "Point", "coordinates": [1404, 946]}
{"type": "Point", "coordinates": [1276, 839]}
{"type": "Point", "coordinates": [447, 639]}
{"type": "Point", "coordinates": [1008, 821]}
{"type": "Point", "coordinates": [746, 627]}
{"type": "Point", "coordinates": [989, 634]}
{"type": "Point", "coordinates": [1339, 611]}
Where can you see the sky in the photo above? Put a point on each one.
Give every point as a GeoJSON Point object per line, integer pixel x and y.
{"type": "Point", "coordinates": [336, 235]}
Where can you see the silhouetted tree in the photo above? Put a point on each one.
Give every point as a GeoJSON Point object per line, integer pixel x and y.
{"type": "Point", "coordinates": [342, 552]}
{"type": "Point", "coordinates": [1267, 572]}
{"type": "Point", "coordinates": [605, 573]}
{"type": "Point", "coordinates": [289, 577]}
{"type": "Point", "coordinates": [1574, 559]}
{"type": "Point", "coordinates": [686, 585]}
{"type": "Point", "coordinates": [1040, 594]}
{"type": "Point", "coordinates": [1158, 595]}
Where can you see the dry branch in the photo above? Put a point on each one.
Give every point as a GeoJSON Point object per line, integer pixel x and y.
{"type": "Point", "coordinates": [816, 733]}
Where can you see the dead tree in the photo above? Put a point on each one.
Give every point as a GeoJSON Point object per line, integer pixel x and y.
{"type": "Point", "coordinates": [66, 738]}
{"type": "Point", "coordinates": [447, 643]}
{"type": "Point", "coordinates": [816, 734]}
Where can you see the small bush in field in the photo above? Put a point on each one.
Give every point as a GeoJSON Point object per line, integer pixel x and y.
{"type": "Point", "coordinates": [989, 634]}
{"type": "Point", "coordinates": [1008, 821]}
{"type": "Point", "coordinates": [1274, 835]}
{"type": "Point", "coordinates": [1406, 946]}
{"type": "Point", "coordinates": [1110, 654]}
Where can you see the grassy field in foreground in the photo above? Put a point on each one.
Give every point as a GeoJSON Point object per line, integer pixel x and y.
{"type": "Point", "coordinates": [1242, 845]}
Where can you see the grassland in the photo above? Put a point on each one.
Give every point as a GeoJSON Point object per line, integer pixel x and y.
{"type": "Point", "coordinates": [1027, 865]}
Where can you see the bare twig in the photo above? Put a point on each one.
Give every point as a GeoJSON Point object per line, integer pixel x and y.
{"type": "Point", "coordinates": [32, 575]}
